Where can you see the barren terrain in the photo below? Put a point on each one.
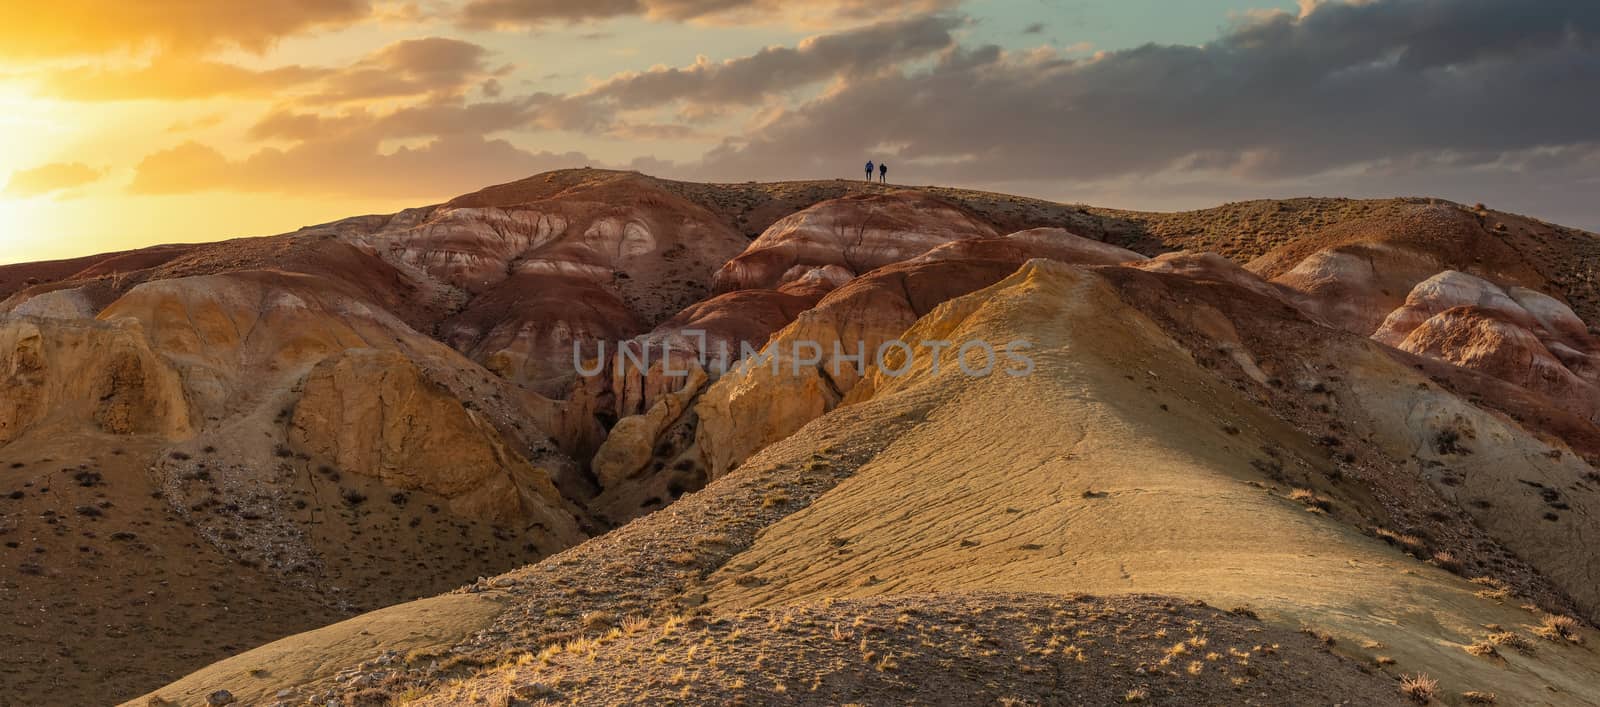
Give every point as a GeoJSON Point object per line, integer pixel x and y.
{"type": "Point", "coordinates": [1271, 452]}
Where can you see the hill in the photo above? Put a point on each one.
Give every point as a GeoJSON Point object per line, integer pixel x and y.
{"type": "Point", "coordinates": [1267, 452]}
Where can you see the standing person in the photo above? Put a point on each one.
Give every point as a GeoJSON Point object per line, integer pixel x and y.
{"type": "Point", "coordinates": [883, 173]}
{"type": "Point", "coordinates": [869, 170]}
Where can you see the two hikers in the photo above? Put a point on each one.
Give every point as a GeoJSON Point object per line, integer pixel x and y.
{"type": "Point", "coordinates": [883, 172]}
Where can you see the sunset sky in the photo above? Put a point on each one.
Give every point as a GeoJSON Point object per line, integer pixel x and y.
{"type": "Point", "coordinates": [125, 124]}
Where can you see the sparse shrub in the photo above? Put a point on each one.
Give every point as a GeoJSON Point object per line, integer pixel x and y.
{"type": "Point", "coordinates": [418, 655]}
{"type": "Point", "coordinates": [1448, 441]}
{"type": "Point", "coordinates": [353, 497]}
{"type": "Point", "coordinates": [635, 624]}
{"type": "Point", "coordinates": [1558, 628]}
{"type": "Point", "coordinates": [1511, 640]}
{"type": "Point", "coordinates": [1474, 697]}
{"type": "Point", "coordinates": [1311, 500]}
{"type": "Point", "coordinates": [1419, 688]}
{"type": "Point", "coordinates": [1326, 639]}
{"type": "Point", "coordinates": [1409, 542]}
{"type": "Point", "coordinates": [1447, 562]}
{"type": "Point", "coordinates": [1483, 648]}
{"type": "Point", "coordinates": [598, 620]}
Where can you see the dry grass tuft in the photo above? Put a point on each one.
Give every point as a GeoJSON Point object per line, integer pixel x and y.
{"type": "Point", "coordinates": [1483, 648]}
{"type": "Point", "coordinates": [1474, 697]}
{"type": "Point", "coordinates": [1419, 688]}
{"type": "Point", "coordinates": [599, 620]}
{"type": "Point", "coordinates": [1558, 628]}
{"type": "Point", "coordinates": [1511, 640]}
{"type": "Point", "coordinates": [1311, 500]}
{"type": "Point", "coordinates": [1409, 542]}
{"type": "Point", "coordinates": [1447, 562]}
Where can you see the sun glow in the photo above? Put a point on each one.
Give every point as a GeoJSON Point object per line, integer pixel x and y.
{"type": "Point", "coordinates": [15, 225]}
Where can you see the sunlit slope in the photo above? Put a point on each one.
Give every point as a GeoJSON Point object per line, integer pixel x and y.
{"type": "Point", "coordinates": [1119, 466]}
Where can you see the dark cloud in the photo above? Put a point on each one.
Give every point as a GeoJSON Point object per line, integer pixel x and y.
{"type": "Point", "coordinates": [751, 79]}
{"type": "Point", "coordinates": [59, 28]}
{"type": "Point", "coordinates": [1372, 97]}
{"type": "Point", "coordinates": [51, 178]}
{"type": "Point", "coordinates": [531, 13]}
{"type": "Point", "coordinates": [413, 67]}
{"type": "Point", "coordinates": [1277, 97]}
{"type": "Point", "coordinates": [851, 53]}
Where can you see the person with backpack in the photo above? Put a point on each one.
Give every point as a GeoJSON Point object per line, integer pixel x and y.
{"type": "Point", "coordinates": [883, 173]}
{"type": "Point", "coordinates": [869, 170]}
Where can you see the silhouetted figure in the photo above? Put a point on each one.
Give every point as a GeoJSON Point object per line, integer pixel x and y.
{"type": "Point", "coordinates": [869, 170]}
{"type": "Point", "coordinates": [883, 173]}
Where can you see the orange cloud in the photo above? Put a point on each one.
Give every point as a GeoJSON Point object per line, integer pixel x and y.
{"type": "Point", "coordinates": [51, 178]}
{"type": "Point", "coordinates": [413, 67]}
{"type": "Point", "coordinates": [348, 166]}
{"type": "Point", "coordinates": [527, 13]}
{"type": "Point", "coordinates": [433, 66]}
{"type": "Point", "coordinates": [169, 78]}
{"type": "Point", "coordinates": [60, 28]}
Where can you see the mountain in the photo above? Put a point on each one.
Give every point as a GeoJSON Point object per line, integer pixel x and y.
{"type": "Point", "coordinates": [987, 449]}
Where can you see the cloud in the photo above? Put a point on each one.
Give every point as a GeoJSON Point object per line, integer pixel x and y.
{"type": "Point", "coordinates": [533, 13]}
{"type": "Point", "coordinates": [173, 78]}
{"type": "Point", "coordinates": [448, 165]}
{"type": "Point", "coordinates": [203, 122]}
{"type": "Point", "coordinates": [751, 79]}
{"type": "Point", "coordinates": [1346, 97]}
{"type": "Point", "coordinates": [412, 67]}
{"type": "Point", "coordinates": [1276, 97]}
{"type": "Point", "coordinates": [51, 178]}
{"type": "Point", "coordinates": [433, 66]}
{"type": "Point", "coordinates": [61, 28]}
{"type": "Point", "coordinates": [748, 79]}
{"type": "Point", "coordinates": [439, 117]}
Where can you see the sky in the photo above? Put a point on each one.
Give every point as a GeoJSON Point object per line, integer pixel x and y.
{"type": "Point", "coordinates": [125, 124]}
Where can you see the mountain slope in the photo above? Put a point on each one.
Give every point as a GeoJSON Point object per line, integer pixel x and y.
{"type": "Point", "coordinates": [378, 409]}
